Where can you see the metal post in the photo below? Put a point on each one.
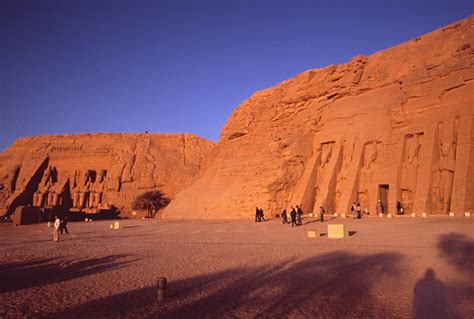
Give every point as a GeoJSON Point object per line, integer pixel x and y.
{"type": "Point", "coordinates": [161, 289]}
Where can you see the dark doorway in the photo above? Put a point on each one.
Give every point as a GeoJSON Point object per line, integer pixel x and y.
{"type": "Point", "coordinates": [383, 195]}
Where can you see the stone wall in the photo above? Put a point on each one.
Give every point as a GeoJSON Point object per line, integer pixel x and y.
{"type": "Point", "coordinates": [396, 126]}
{"type": "Point", "coordinates": [88, 172]}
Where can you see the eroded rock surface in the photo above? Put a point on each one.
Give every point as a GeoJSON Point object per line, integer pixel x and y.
{"type": "Point", "coordinates": [395, 126]}
{"type": "Point", "coordinates": [89, 172]}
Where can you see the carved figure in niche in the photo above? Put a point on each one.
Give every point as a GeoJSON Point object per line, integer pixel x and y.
{"type": "Point", "coordinates": [40, 197]}
{"type": "Point", "coordinates": [145, 165]}
{"type": "Point", "coordinates": [444, 170]}
{"type": "Point", "coordinates": [326, 152]}
{"type": "Point", "coordinates": [97, 190]}
{"type": "Point", "coordinates": [409, 173]}
{"type": "Point", "coordinates": [366, 174]}
{"type": "Point", "coordinates": [8, 182]}
{"type": "Point", "coordinates": [347, 153]}
{"type": "Point", "coordinates": [120, 171]}
{"type": "Point", "coordinates": [81, 190]}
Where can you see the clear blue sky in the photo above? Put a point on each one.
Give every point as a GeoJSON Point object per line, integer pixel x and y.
{"type": "Point", "coordinates": [179, 66]}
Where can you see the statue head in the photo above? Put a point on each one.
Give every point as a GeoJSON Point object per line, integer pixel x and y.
{"type": "Point", "coordinates": [101, 176]}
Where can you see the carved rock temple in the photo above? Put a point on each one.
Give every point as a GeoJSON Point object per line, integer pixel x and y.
{"type": "Point", "coordinates": [93, 172]}
{"type": "Point", "coordinates": [396, 126]}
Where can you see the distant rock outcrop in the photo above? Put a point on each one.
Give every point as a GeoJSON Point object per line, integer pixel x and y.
{"type": "Point", "coordinates": [396, 126]}
{"type": "Point", "coordinates": [90, 172]}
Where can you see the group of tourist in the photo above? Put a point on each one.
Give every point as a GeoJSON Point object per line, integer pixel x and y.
{"type": "Point", "coordinates": [295, 214]}
{"type": "Point", "coordinates": [259, 215]}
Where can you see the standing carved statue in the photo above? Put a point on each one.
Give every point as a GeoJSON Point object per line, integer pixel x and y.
{"type": "Point", "coordinates": [120, 171]}
{"type": "Point", "coordinates": [341, 177]}
{"type": "Point", "coordinates": [409, 173]}
{"type": "Point", "coordinates": [82, 189]}
{"type": "Point", "coordinates": [97, 190]}
{"type": "Point", "coordinates": [443, 177]}
{"type": "Point", "coordinates": [323, 168]}
{"type": "Point", "coordinates": [40, 197]}
{"type": "Point", "coordinates": [8, 182]}
{"type": "Point", "coordinates": [366, 174]}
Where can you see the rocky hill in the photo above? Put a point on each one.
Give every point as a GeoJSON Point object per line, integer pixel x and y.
{"type": "Point", "coordinates": [88, 172]}
{"type": "Point", "coordinates": [396, 126]}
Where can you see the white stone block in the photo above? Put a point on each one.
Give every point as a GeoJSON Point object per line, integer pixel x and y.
{"type": "Point", "coordinates": [343, 215]}
{"type": "Point", "coordinates": [467, 214]}
{"type": "Point", "coordinates": [335, 214]}
{"type": "Point", "coordinates": [380, 215]}
{"type": "Point", "coordinates": [116, 225]}
{"type": "Point", "coordinates": [335, 231]}
{"type": "Point", "coordinates": [312, 234]}
{"type": "Point", "coordinates": [413, 215]}
{"type": "Point", "coordinates": [423, 215]}
{"type": "Point", "coordinates": [451, 214]}
{"type": "Point", "coordinates": [389, 216]}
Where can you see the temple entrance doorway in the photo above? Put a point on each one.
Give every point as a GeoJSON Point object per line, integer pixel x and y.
{"type": "Point", "coordinates": [383, 195]}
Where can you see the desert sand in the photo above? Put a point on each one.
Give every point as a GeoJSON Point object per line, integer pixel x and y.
{"type": "Point", "coordinates": [387, 268]}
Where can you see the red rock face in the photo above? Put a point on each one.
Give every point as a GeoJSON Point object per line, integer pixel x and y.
{"type": "Point", "coordinates": [88, 172]}
{"type": "Point", "coordinates": [396, 126]}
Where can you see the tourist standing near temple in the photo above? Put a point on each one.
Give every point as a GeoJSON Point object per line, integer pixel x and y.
{"type": "Point", "coordinates": [284, 217]}
{"type": "Point", "coordinates": [57, 224]}
{"type": "Point", "coordinates": [354, 210]}
{"type": "Point", "coordinates": [63, 225]}
{"type": "Point", "coordinates": [293, 217]}
{"type": "Point", "coordinates": [300, 214]}
{"type": "Point", "coordinates": [380, 208]}
{"type": "Point", "coordinates": [321, 213]}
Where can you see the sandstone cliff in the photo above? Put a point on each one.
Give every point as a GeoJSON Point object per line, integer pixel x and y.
{"type": "Point", "coordinates": [395, 126]}
{"type": "Point", "coordinates": [88, 172]}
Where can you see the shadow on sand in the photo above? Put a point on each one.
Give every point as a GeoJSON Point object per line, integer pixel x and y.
{"type": "Point", "coordinates": [432, 297]}
{"type": "Point", "coordinates": [21, 275]}
{"type": "Point", "coordinates": [332, 285]}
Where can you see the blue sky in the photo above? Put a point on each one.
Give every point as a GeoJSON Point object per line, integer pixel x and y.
{"type": "Point", "coordinates": [179, 66]}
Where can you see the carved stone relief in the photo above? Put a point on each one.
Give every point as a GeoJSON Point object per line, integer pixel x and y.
{"type": "Point", "coordinates": [365, 198]}
{"type": "Point", "coordinates": [443, 174]}
{"type": "Point", "coordinates": [409, 171]}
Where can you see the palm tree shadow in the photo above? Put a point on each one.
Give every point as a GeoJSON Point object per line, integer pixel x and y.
{"type": "Point", "coordinates": [311, 287]}
{"type": "Point", "coordinates": [22, 275]}
{"type": "Point", "coordinates": [458, 251]}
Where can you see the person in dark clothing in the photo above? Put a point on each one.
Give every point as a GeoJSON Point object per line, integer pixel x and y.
{"type": "Point", "coordinates": [257, 214]}
{"type": "Point", "coordinates": [299, 212]}
{"type": "Point", "coordinates": [321, 213]}
{"type": "Point", "coordinates": [293, 217]}
{"type": "Point", "coordinates": [63, 225]}
{"type": "Point", "coordinates": [262, 215]}
{"type": "Point", "coordinates": [399, 208]}
{"type": "Point", "coordinates": [284, 217]}
{"type": "Point", "coordinates": [359, 211]}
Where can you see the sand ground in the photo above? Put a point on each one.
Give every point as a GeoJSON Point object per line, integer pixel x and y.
{"type": "Point", "coordinates": [387, 268]}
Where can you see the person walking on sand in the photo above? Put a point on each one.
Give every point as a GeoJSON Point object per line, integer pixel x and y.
{"type": "Point", "coordinates": [262, 215]}
{"type": "Point", "coordinates": [321, 213]}
{"type": "Point", "coordinates": [57, 224]}
{"type": "Point", "coordinates": [284, 217]}
{"type": "Point", "coordinates": [300, 213]}
{"type": "Point", "coordinates": [63, 226]}
{"type": "Point", "coordinates": [293, 217]}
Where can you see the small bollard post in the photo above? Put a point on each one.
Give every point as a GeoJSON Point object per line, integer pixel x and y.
{"type": "Point", "coordinates": [161, 289]}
